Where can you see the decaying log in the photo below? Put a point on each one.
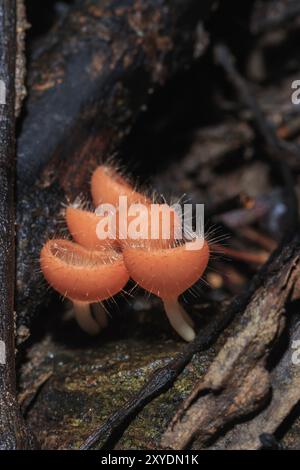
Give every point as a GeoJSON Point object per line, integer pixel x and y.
{"type": "Point", "coordinates": [20, 87]}
{"type": "Point", "coordinates": [242, 397]}
{"type": "Point", "coordinates": [285, 383]}
{"type": "Point", "coordinates": [163, 379]}
{"type": "Point", "coordinates": [237, 382]}
{"type": "Point", "coordinates": [160, 381]}
{"type": "Point", "coordinates": [87, 83]}
{"type": "Point", "coordinates": [13, 434]}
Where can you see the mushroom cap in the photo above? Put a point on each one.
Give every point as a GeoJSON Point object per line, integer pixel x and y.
{"type": "Point", "coordinates": [82, 226]}
{"type": "Point", "coordinates": [157, 225]}
{"type": "Point", "coordinates": [157, 229]}
{"type": "Point", "coordinates": [167, 272]}
{"type": "Point", "coordinates": [80, 274]}
{"type": "Point", "coordinates": [107, 185]}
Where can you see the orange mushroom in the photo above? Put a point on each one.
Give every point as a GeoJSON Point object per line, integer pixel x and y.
{"type": "Point", "coordinates": [84, 276]}
{"type": "Point", "coordinates": [107, 185]}
{"type": "Point", "coordinates": [157, 224]}
{"type": "Point", "coordinates": [82, 226]}
{"type": "Point", "coordinates": [167, 273]}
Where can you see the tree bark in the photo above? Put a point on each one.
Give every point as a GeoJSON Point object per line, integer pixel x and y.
{"type": "Point", "coordinates": [12, 431]}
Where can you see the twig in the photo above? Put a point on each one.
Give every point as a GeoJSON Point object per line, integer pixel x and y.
{"type": "Point", "coordinates": [276, 148]}
{"type": "Point", "coordinates": [28, 396]}
{"type": "Point", "coordinates": [163, 379]}
{"type": "Point", "coordinates": [237, 382]}
{"type": "Point", "coordinates": [12, 430]}
{"type": "Point", "coordinates": [160, 381]}
{"type": "Point", "coordinates": [260, 239]}
{"type": "Point", "coordinates": [258, 258]}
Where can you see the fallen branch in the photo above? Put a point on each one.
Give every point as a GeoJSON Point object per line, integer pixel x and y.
{"type": "Point", "coordinates": [237, 382]}
{"type": "Point", "coordinates": [163, 379]}
{"type": "Point", "coordinates": [160, 381]}
{"type": "Point", "coordinates": [285, 382]}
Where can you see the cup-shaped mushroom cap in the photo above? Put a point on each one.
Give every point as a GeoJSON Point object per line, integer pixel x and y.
{"type": "Point", "coordinates": [107, 185]}
{"type": "Point", "coordinates": [168, 272]}
{"type": "Point", "coordinates": [82, 226]}
{"type": "Point", "coordinates": [155, 225]}
{"type": "Point", "coordinates": [80, 274]}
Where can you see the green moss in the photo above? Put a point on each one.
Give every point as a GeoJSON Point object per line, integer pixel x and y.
{"type": "Point", "coordinates": [93, 380]}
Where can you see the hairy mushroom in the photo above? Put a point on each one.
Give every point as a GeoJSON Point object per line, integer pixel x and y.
{"type": "Point", "coordinates": [85, 277]}
{"type": "Point", "coordinates": [140, 220]}
{"type": "Point", "coordinates": [82, 226]}
{"type": "Point", "coordinates": [167, 273]}
{"type": "Point", "coordinates": [107, 185]}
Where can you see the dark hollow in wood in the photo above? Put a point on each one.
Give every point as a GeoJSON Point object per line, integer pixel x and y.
{"type": "Point", "coordinates": [106, 57]}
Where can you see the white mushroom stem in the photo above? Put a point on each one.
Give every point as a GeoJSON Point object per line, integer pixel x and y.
{"type": "Point", "coordinates": [100, 315]}
{"type": "Point", "coordinates": [82, 312]}
{"type": "Point", "coordinates": [187, 318]}
{"type": "Point", "coordinates": [179, 319]}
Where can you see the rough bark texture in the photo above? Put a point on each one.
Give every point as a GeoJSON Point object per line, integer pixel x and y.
{"type": "Point", "coordinates": [285, 382]}
{"type": "Point", "coordinates": [237, 382]}
{"type": "Point", "coordinates": [12, 431]}
{"type": "Point", "coordinates": [87, 383]}
{"type": "Point", "coordinates": [105, 58]}
{"type": "Point", "coordinates": [230, 141]}
{"type": "Point", "coordinates": [21, 27]}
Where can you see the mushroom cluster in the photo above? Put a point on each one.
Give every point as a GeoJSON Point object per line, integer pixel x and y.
{"type": "Point", "coordinates": [91, 268]}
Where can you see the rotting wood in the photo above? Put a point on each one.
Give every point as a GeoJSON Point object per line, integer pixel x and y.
{"type": "Point", "coordinates": [163, 379]}
{"type": "Point", "coordinates": [13, 434]}
{"type": "Point", "coordinates": [285, 382]}
{"type": "Point", "coordinates": [237, 382]}
{"type": "Point", "coordinates": [106, 58]}
{"type": "Point", "coordinates": [160, 381]}
{"type": "Point", "coordinates": [20, 75]}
